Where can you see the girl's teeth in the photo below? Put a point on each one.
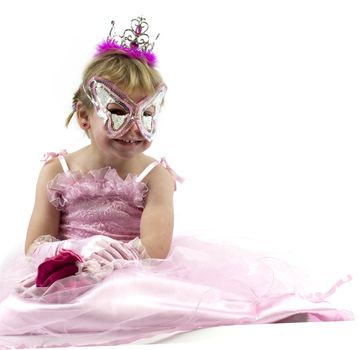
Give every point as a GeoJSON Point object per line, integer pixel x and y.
{"type": "Point", "coordinates": [129, 141]}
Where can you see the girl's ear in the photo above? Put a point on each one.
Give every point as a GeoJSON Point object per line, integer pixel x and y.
{"type": "Point", "coordinates": [82, 116]}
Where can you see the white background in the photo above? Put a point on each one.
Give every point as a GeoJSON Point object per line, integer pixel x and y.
{"type": "Point", "coordinates": [261, 115]}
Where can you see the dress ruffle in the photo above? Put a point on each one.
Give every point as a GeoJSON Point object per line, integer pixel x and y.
{"type": "Point", "coordinates": [98, 202]}
{"type": "Point", "coordinates": [68, 186]}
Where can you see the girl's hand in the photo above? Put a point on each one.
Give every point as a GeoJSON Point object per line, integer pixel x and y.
{"type": "Point", "coordinates": [98, 247]}
{"type": "Point", "coordinates": [85, 247]}
{"type": "Point", "coordinates": [117, 250]}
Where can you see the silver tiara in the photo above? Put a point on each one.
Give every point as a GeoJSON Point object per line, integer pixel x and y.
{"type": "Point", "coordinates": [134, 42]}
{"type": "Point", "coordinates": [134, 37]}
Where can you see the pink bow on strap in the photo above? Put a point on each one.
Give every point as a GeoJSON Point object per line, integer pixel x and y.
{"type": "Point", "coordinates": [175, 176]}
{"type": "Point", "coordinates": [50, 155]}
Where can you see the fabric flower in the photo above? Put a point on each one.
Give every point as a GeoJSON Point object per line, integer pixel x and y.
{"type": "Point", "coordinates": [62, 265]}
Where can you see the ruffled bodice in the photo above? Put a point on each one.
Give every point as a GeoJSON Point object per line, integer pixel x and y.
{"type": "Point", "coordinates": [99, 202]}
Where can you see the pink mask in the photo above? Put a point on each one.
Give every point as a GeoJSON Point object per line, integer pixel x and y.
{"type": "Point", "coordinates": [117, 123]}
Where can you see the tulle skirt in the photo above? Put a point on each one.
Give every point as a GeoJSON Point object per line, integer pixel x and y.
{"type": "Point", "coordinates": [200, 284]}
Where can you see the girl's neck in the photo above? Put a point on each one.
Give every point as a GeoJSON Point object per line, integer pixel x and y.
{"type": "Point", "coordinates": [96, 159]}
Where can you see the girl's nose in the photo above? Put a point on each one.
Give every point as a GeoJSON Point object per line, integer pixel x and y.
{"type": "Point", "coordinates": [134, 126]}
{"type": "Point", "coordinates": [133, 129]}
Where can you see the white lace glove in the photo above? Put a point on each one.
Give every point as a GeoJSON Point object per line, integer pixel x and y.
{"type": "Point", "coordinates": [117, 250]}
{"type": "Point", "coordinates": [97, 247]}
{"type": "Point", "coordinates": [101, 255]}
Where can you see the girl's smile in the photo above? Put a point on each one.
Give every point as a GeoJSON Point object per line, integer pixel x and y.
{"type": "Point", "coordinates": [128, 143]}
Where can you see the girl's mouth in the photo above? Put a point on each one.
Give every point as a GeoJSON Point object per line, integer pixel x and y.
{"type": "Point", "coordinates": [128, 142]}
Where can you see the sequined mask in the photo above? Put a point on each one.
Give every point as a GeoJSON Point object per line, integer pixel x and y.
{"type": "Point", "coordinates": [119, 119]}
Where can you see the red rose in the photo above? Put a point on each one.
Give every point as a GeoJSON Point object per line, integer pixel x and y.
{"type": "Point", "coordinates": [60, 266]}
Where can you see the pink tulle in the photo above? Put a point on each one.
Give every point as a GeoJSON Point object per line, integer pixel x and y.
{"type": "Point", "coordinates": [200, 284]}
{"type": "Point", "coordinates": [111, 45]}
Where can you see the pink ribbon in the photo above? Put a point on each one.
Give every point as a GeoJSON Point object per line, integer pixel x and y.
{"type": "Point", "coordinates": [318, 297]}
{"type": "Point", "coordinates": [175, 176]}
{"type": "Point", "coordinates": [50, 155]}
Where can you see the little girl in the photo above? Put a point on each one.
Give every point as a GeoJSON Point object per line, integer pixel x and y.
{"type": "Point", "coordinates": [102, 265]}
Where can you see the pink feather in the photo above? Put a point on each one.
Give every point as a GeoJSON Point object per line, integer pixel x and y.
{"type": "Point", "coordinates": [111, 45]}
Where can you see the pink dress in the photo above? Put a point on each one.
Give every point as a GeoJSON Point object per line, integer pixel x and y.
{"type": "Point", "coordinates": [199, 285]}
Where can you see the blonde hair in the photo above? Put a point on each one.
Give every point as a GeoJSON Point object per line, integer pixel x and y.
{"type": "Point", "coordinates": [128, 73]}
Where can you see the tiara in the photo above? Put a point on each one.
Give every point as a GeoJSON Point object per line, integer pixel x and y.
{"type": "Point", "coordinates": [134, 42]}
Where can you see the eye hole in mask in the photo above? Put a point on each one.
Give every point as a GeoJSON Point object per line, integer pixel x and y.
{"type": "Point", "coordinates": [118, 116]}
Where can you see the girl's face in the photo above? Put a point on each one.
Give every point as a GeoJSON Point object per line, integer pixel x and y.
{"type": "Point", "coordinates": [126, 146]}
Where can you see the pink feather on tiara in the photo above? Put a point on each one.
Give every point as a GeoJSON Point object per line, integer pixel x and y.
{"type": "Point", "coordinates": [134, 42]}
{"type": "Point", "coordinates": [133, 52]}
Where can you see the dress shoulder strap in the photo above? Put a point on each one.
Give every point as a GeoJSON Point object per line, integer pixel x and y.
{"type": "Point", "coordinates": [163, 162]}
{"type": "Point", "coordinates": [63, 163]}
{"type": "Point", "coordinates": [60, 155]}
{"type": "Point", "coordinates": [146, 171]}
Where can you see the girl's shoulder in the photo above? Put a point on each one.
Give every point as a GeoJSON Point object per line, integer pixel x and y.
{"type": "Point", "coordinates": [145, 160]}
{"type": "Point", "coordinates": [50, 169]}
{"type": "Point", "coordinates": [53, 166]}
{"type": "Point", "coordinates": [77, 160]}
{"type": "Point", "coordinates": [160, 174]}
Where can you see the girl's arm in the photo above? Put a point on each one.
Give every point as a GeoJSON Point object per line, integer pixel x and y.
{"type": "Point", "coordinates": [157, 217]}
{"type": "Point", "coordinates": [45, 217]}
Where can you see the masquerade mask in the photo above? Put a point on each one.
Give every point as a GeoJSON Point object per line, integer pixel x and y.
{"type": "Point", "coordinates": [119, 118]}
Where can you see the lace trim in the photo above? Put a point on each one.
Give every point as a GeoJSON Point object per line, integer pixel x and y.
{"type": "Point", "coordinates": [64, 189]}
{"type": "Point", "coordinates": [39, 241]}
{"type": "Point", "coordinates": [137, 244]}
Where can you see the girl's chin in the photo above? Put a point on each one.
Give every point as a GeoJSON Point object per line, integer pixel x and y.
{"type": "Point", "coordinates": [131, 147]}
